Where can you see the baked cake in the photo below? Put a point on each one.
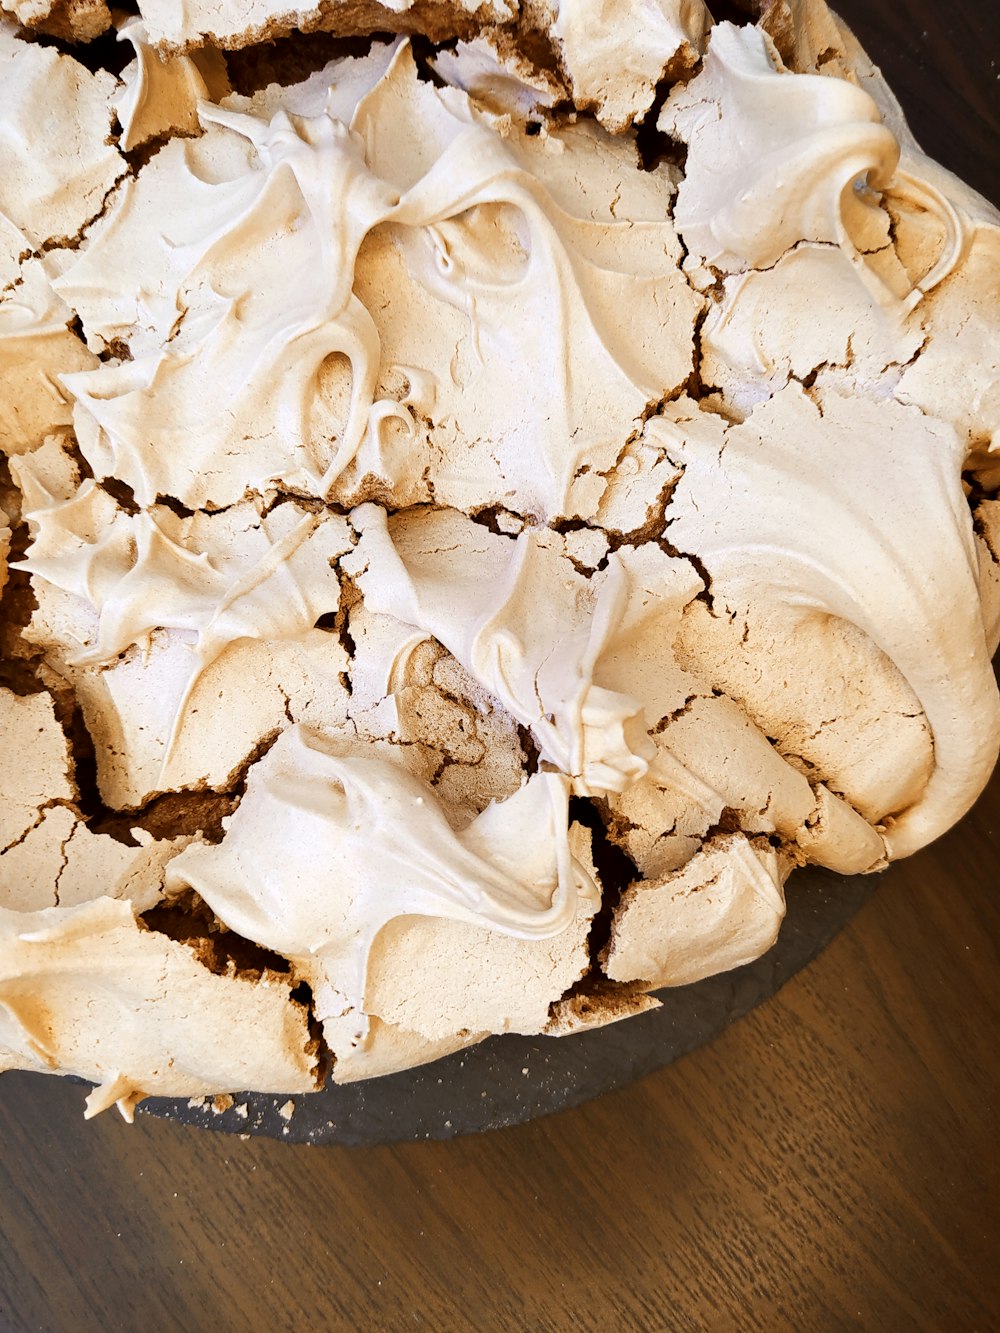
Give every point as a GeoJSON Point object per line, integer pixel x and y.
{"type": "Point", "coordinates": [490, 490]}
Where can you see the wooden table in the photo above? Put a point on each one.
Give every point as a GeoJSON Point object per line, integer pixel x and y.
{"type": "Point", "coordinates": [829, 1163]}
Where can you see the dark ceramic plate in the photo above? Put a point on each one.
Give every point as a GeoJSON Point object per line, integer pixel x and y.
{"type": "Point", "coordinates": [507, 1080]}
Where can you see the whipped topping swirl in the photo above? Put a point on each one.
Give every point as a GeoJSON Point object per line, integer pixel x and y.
{"type": "Point", "coordinates": [238, 266]}
{"type": "Point", "coordinates": [326, 849]}
{"type": "Point", "coordinates": [776, 156]}
{"type": "Point", "coordinates": [778, 159]}
{"type": "Point", "coordinates": [271, 580]}
{"type": "Point", "coordinates": [484, 607]}
{"type": "Point", "coordinates": [740, 504]}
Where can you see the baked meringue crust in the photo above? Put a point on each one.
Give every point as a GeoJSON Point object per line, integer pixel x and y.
{"type": "Point", "coordinates": [397, 463]}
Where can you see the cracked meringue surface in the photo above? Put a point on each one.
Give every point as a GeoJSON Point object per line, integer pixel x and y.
{"type": "Point", "coordinates": [475, 518]}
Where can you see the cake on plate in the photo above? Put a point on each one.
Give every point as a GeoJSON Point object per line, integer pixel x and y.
{"type": "Point", "coordinates": [489, 491]}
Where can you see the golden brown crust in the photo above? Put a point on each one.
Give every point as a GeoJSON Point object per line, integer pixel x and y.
{"type": "Point", "coordinates": [70, 20]}
{"type": "Point", "coordinates": [431, 19]}
{"type": "Point", "coordinates": [596, 1007]}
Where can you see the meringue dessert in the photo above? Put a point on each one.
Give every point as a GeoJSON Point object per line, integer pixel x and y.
{"type": "Point", "coordinates": [489, 491]}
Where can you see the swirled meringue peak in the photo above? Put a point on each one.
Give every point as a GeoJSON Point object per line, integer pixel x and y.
{"type": "Point", "coordinates": [485, 611]}
{"type": "Point", "coordinates": [464, 544]}
{"type": "Point", "coordinates": [775, 158]}
{"type": "Point", "coordinates": [292, 273]}
{"type": "Point", "coordinates": [326, 851]}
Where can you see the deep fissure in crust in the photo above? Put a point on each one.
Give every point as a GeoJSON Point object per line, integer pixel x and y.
{"type": "Point", "coordinates": [104, 52]}
{"type": "Point", "coordinates": [175, 814]}
{"type": "Point", "coordinates": [655, 147]}
{"type": "Point", "coordinates": [19, 661]}
{"type": "Point", "coordinates": [292, 58]}
{"type": "Point", "coordinates": [615, 871]}
{"type": "Point", "coordinates": [188, 919]}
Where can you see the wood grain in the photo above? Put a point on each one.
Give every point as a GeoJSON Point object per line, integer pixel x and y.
{"type": "Point", "coordinates": [943, 63]}
{"type": "Point", "coordinates": [829, 1163]}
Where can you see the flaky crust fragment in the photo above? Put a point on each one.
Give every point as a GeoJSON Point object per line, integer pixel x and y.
{"type": "Point", "coordinates": [72, 20]}
{"type": "Point", "coordinates": [722, 910]}
{"type": "Point", "coordinates": [239, 23]}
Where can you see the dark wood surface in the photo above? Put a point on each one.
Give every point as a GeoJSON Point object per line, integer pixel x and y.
{"type": "Point", "coordinates": [830, 1162]}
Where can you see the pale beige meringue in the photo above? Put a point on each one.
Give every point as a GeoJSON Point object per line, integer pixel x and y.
{"type": "Point", "coordinates": [484, 609]}
{"type": "Point", "coordinates": [41, 777]}
{"type": "Point", "coordinates": [60, 863]}
{"type": "Point", "coordinates": [773, 158]}
{"type": "Point", "coordinates": [442, 979]}
{"type": "Point", "coordinates": [184, 705]}
{"type": "Point", "coordinates": [48, 855]}
{"type": "Point", "coordinates": [711, 759]}
{"type": "Point", "coordinates": [809, 37]}
{"type": "Point", "coordinates": [987, 517]}
{"type": "Point", "coordinates": [764, 331]}
{"type": "Point", "coordinates": [412, 703]}
{"type": "Point", "coordinates": [856, 725]}
{"type": "Point", "coordinates": [581, 1012]}
{"type": "Point", "coordinates": [73, 20]}
{"type": "Point", "coordinates": [36, 349]}
{"type": "Point", "coordinates": [57, 161]}
{"type": "Point", "coordinates": [259, 577]}
{"type": "Point", "coordinates": [855, 143]}
{"type": "Point", "coordinates": [957, 375]}
{"type": "Point", "coordinates": [335, 90]}
{"type": "Point", "coordinates": [236, 23]}
{"type": "Point", "coordinates": [456, 197]}
{"type": "Point", "coordinates": [389, 1048]}
{"type": "Point", "coordinates": [723, 909]}
{"type": "Point", "coordinates": [325, 851]}
{"type": "Point", "coordinates": [856, 559]}
{"type": "Point", "coordinates": [616, 55]}
{"type": "Point", "coordinates": [503, 85]}
{"type": "Point", "coordinates": [186, 593]}
{"type": "Point", "coordinates": [89, 991]}
{"type": "Point", "coordinates": [49, 471]}
{"type": "Point", "coordinates": [159, 95]}
{"type": "Point", "coordinates": [158, 727]}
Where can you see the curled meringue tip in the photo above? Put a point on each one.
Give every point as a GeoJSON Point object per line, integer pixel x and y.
{"type": "Point", "coordinates": [616, 746]}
